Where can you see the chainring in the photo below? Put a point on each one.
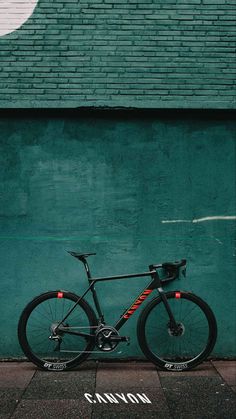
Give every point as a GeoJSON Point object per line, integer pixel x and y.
{"type": "Point", "coordinates": [103, 338]}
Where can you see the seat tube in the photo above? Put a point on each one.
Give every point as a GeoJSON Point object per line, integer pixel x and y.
{"type": "Point", "coordinates": [96, 302]}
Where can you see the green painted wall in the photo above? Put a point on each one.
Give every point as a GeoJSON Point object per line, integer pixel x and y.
{"type": "Point", "coordinates": [136, 53]}
{"type": "Point", "coordinates": [105, 182]}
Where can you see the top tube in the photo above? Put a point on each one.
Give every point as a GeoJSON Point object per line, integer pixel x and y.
{"type": "Point", "coordinates": [137, 275]}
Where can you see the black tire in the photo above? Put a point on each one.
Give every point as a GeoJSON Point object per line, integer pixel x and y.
{"type": "Point", "coordinates": [197, 331]}
{"type": "Point", "coordinates": [35, 324]}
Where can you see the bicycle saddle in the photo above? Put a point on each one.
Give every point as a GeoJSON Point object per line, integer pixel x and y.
{"type": "Point", "coordinates": [80, 256]}
{"type": "Point", "coordinates": [174, 264]}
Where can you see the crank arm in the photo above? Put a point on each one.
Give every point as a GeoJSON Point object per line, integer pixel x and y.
{"type": "Point", "coordinates": [119, 339]}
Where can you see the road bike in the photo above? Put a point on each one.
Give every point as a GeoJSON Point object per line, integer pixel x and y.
{"type": "Point", "coordinates": [176, 330]}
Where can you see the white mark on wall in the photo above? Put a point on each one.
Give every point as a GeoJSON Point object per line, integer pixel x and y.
{"type": "Point", "coordinates": [218, 240]}
{"type": "Point", "coordinates": [175, 221]}
{"type": "Point", "coordinates": [14, 13]}
{"type": "Point", "coordinates": [200, 220]}
{"type": "Point", "coordinates": [215, 217]}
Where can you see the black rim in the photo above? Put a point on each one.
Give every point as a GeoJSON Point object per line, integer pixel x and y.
{"type": "Point", "coordinates": [184, 346]}
{"type": "Point", "coordinates": [38, 324]}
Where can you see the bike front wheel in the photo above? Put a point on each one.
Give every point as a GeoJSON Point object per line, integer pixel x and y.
{"type": "Point", "coordinates": [188, 343]}
{"type": "Point", "coordinates": [51, 348]}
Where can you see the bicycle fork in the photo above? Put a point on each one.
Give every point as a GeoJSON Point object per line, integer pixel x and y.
{"type": "Point", "coordinates": [173, 325]}
{"type": "Point", "coordinates": [157, 284]}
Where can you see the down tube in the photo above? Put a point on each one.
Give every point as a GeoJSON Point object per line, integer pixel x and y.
{"type": "Point", "coordinates": [135, 305]}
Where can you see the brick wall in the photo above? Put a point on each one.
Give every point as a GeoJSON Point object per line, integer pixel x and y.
{"type": "Point", "coordinates": [132, 53]}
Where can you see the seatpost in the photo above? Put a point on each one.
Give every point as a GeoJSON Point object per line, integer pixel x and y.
{"type": "Point", "coordinates": [86, 267]}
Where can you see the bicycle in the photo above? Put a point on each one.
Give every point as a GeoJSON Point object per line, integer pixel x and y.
{"type": "Point", "coordinates": [176, 330]}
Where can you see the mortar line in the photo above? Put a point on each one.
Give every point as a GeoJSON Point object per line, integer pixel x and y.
{"type": "Point", "coordinates": [20, 399]}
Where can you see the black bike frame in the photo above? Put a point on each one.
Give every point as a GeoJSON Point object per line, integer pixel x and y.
{"type": "Point", "coordinates": [154, 284]}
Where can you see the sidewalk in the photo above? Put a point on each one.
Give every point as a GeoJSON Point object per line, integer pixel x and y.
{"type": "Point", "coordinates": [209, 391]}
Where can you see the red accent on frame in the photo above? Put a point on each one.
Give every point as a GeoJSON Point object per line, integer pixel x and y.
{"type": "Point", "coordinates": [137, 303]}
{"type": "Point", "coordinates": [178, 295]}
{"type": "Point", "coordinates": [60, 294]}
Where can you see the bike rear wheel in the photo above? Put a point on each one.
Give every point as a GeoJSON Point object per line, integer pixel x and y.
{"type": "Point", "coordinates": [185, 346]}
{"type": "Point", "coordinates": [41, 317]}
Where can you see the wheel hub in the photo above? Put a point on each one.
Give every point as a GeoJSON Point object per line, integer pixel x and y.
{"type": "Point", "coordinates": [176, 331]}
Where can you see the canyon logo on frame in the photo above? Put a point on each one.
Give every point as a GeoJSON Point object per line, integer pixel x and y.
{"type": "Point", "coordinates": [14, 13]}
